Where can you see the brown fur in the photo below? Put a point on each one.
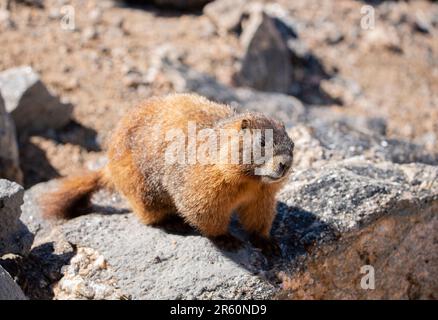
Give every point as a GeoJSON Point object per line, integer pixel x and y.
{"type": "Point", "coordinates": [73, 195]}
{"type": "Point", "coordinates": [204, 195]}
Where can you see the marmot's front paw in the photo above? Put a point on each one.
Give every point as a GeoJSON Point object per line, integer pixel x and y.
{"type": "Point", "coordinates": [227, 242]}
{"type": "Point", "coordinates": [269, 247]}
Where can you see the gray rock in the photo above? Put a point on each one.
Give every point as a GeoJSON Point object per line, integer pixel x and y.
{"type": "Point", "coordinates": [369, 125]}
{"type": "Point", "coordinates": [325, 140]}
{"type": "Point", "coordinates": [274, 58]}
{"type": "Point", "coordinates": [351, 193]}
{"type": "Point", "coordinates": [266, 64]}
{"type": "Point", "coordinates": [387, 223]}
{"type": "Point", "coordinates": [9, 290]}
{"type": "Point", "coordinates": [118, 257]}
{"type": "Point", "coordinates": [14, 235]}
{"type": "Point", "coordinates": [9, 159]}
{"type": "Point", "coordinates": [422, 23]}
{"type": "Point", "coordinates": [29, 102]}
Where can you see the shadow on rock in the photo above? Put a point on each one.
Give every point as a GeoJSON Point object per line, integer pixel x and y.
{"type": "Point", "coordinates": [308, 73]}
{"type": "Point", "coordinates": [176, 225]}
{"type": "Point", "coordinates": [166, 8]}
{"type": "Point", "coordinates": [373, 2]}
{"type": "Point", "coordinates": [296, 231]}
{"type": "Point", "coordinates": [77, 134]}
{"type": "Point", "coordinates": [106, 210]}
{"type": "Point", "coordinates": [40, 269]}
{"type": "Point", "coordinates": [35, 164]}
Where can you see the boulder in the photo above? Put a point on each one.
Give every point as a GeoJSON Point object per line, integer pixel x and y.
{"type": "Point", "coordinates": [266, 64]}
{"type": "Point", "coordinates": [14, 235]}
{"type": "Point", "coordinates": [115, 256]}
{"type": "Point", "coordinates": [9, 290]}
{"type": "Point", "coordinates": [386, 219]}
{"type": "Point", "coordinates": [381, 209]}
{"type": "Point", "coordinates": [9, 158]}
{"type": "Point", "coordinates": [30, 103]}
{"type": "Point", "coordinates": [274, 58]}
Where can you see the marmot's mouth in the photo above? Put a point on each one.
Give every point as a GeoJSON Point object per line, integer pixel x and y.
{"type": "Point", "coordinates": [273, 178]}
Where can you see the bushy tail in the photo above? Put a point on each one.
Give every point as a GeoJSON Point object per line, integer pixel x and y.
{"type": "Point", "coordinates": [73, 195]}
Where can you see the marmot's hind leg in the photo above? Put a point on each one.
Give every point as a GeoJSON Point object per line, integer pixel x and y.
{"type": "Point", "coordinates": [147, 215]}
{"type": "Point", "coordinates": [130, 182]}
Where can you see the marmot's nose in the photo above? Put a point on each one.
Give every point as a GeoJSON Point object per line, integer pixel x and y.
{"type": "Point", "coordinates": [283, 165]}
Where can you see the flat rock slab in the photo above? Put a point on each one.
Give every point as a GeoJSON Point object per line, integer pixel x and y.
{"type": "Point", "coordinates": [142, 262]}
{"type": "Point", "coordinates": [111, 255]}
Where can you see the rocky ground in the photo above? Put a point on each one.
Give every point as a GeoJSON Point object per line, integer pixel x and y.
{"type": "Point", "coordinates": [361, 105]}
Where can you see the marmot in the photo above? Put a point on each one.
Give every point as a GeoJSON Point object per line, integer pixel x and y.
{"type": "Point", "coordinates": [204, 195]}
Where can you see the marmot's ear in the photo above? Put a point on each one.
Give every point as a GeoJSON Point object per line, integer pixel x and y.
{"type": "Point", "coordinates": [244, 124]}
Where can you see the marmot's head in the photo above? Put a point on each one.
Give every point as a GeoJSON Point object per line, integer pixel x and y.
{"type": "Point", "coordinates": [265, 149]}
